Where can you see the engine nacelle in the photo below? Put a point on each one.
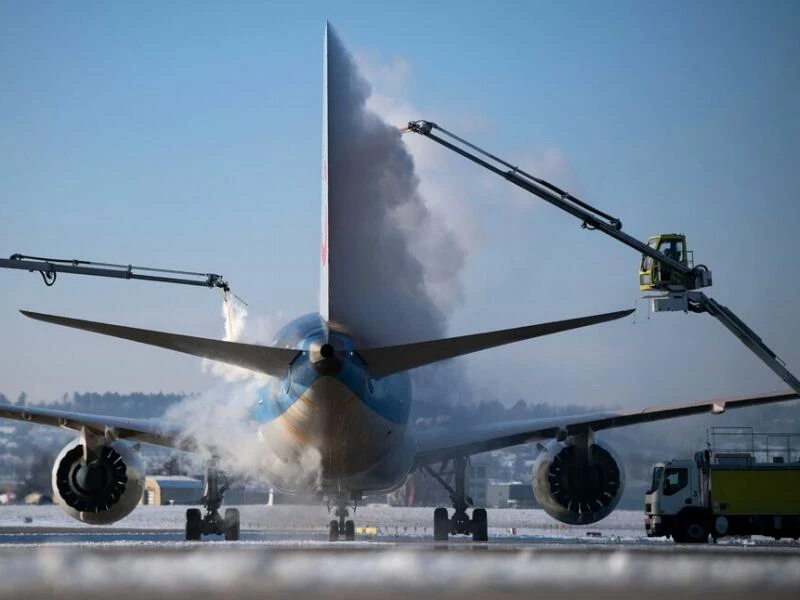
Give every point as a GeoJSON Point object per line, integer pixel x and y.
{"type": "Point", "coordinates": [575, 490]}
{"type": "Point", "coordinates": [105, 489]}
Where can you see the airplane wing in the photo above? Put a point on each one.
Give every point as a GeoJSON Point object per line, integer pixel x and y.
{"type": "Point", "coordinates": [393, 359]}
{"type": "Point", "coordinates": [138, 430]}
{"type": "Point", "coordinates": [439, 444]}
{"type": "Point", "coordinates": [262, 359]}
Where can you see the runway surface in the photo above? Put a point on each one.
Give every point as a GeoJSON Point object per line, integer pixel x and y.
{"type": "Point", "coordinates": [284, 552]}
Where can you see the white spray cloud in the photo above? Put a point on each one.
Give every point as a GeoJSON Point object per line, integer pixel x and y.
{"type": "Point", "coordinates": [394, 262]}
{"type": "Point", "coordinates": [241, 327]}
{"type": "Point", "coordinates": [220, 421]}
{"type": "Point", "coordinates": [392, 83]}
{"type": "Point", "coordinates": [447, 218]}
{"type": "Point", "coordinates": [397, 248]}
{"type": "Point", "coordinates": [457, 191]}
{"type": "Point", "coordinates": [234, 315]}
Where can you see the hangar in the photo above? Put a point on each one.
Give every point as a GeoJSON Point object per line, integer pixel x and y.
{"type": "Point", "coordinates": [172, 489]}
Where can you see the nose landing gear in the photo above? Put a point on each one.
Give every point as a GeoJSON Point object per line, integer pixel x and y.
{"type": "Point", "coordinates": [343, 526]}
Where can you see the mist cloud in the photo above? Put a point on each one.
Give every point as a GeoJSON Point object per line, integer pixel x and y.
{"type": "Point", "coordinates": [389, 255]}
{"type": "Point", "coordinates": [220, 421]}
{"type": "Point", "coordinates": [395, 258]}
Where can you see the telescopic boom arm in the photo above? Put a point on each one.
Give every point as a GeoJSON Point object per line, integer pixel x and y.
{"type": "Point", "coordinates": [677, 295]}
{"type": "Point", "coordinates": [49, 268]}
{"type": "Point", "coordinates": [591, 217]}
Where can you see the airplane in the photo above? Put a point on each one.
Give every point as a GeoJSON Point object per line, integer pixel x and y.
{"type": "Point", "coordinates": [347, 402]}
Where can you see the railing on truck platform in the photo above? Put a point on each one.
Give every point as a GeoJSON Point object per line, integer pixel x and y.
{"type": "Point", "coordinates": [733, 445]}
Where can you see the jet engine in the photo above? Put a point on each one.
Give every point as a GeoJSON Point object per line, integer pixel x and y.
{"type": "Point", "coordinates": [577, 483]}
{"type": "Point", "coordinates": [101, 489]}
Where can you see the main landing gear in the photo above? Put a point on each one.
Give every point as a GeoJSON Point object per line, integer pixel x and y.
{"type": "Point", "coordinates": [460, 523]}
{"type": "Point", "coordinates": [342, 526]}
{"type": "Point", "coordinates": [198, 525]}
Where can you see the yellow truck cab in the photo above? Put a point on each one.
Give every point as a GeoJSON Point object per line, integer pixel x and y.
{"type": "Point", "coordinates": [755, 491]}
{"type": "Point", "coordinates": [655, 276]}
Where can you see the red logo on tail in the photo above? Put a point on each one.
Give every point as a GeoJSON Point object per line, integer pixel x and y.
{"type": "Point", "coordinates": [323, 251]}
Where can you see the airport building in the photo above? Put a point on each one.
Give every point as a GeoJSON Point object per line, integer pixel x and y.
{"type": "Point", "coordinates": [178, 489]}
{"type": "Point", "coordinates": [477, 484]}
{"type": "Point", "coordinates": [510, 495]}
{"type": "Point", "coordinates": [172, 489]}
{"type": "Point", "coordinates": [424, 490]}
{"type": "Point", "coordinates": [250, 494]}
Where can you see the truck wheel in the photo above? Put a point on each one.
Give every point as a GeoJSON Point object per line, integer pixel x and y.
{"type": "Point", "coordinates": [691, 530]}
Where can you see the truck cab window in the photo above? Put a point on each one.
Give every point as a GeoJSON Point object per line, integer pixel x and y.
{"type": "Point", "coordinates": [675, 480]}
{"type": "Point", "coordinates": [647, 262]}
{"type": "Point", "coordinates": [657, 472]}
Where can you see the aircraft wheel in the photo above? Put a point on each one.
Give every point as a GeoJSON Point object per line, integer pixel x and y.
{"type": "Point", "coordinates": [232, 524]}
{"type": "Point", "coordinates": [441, 525]}
{"type": "Point", "coordinates": [194, 520]}
{"type": "Point", "coordinates": [333, 531]}
{"type": "Point", "coordinates": [349, 531]}
{"type": "Point", "coordinates": [480, 525]}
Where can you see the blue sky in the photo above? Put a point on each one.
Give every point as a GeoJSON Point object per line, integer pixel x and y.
{"type": "Point", "coordinates": [187, 135]}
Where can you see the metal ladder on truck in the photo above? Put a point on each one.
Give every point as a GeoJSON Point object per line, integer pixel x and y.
{"type": "Point", "coordinates": [667, 267]}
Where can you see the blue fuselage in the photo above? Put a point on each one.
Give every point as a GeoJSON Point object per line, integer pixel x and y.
{"type": "Point", "coordinates": [331, 418]}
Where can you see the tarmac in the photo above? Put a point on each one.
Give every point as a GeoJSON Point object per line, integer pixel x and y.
{"type": "Point", "coordinates": [281, 555]}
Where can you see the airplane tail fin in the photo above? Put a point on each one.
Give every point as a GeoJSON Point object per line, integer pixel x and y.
{"type": "Point", "coordinates": [261, 359]}
{"type": "Point", "coordinates": [324, 274]}
{"type": "Point", "coordinates": [393, 359]}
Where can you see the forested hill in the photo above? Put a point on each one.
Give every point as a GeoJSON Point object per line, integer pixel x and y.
{"type": "Point", "coordinates": [137, 404]}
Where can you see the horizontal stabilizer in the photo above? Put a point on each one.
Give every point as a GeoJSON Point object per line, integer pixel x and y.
{"type": "Point", "coordinates": [393, 359]}
{"type": "Point", "coordinates": [261, 359]}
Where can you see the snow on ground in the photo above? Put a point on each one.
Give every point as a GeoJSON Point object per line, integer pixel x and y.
{"type": "Point", "coordinates": [390, 520]}
{"type": "Point", "coordinates": [309, 524]}
{"type": "Point", "coordinates": [533, 556]}
{"type": "Point", "coordinates": [236, 571]}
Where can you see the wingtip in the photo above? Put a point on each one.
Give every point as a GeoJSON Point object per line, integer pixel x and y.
{"type": "Point", "coordinates": [39, 316]}
{"type": "Point", "coordinates": [619, 314]}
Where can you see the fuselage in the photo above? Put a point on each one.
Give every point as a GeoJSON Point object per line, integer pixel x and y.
{"type": "Point", "coordinates": [329, 425]}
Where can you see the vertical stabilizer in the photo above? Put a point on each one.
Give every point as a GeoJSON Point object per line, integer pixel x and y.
{"type": "Point", "coordinates": [324, 273]}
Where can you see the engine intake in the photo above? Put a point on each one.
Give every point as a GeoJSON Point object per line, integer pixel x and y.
{"type": "Point", "coordinates": [577, 486]}
{"type": "Point", "coordinates": [101, 490]}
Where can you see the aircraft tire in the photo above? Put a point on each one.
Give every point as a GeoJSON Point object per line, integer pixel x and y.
{"type": "Point", "coordinates": [441, 525]}
{"type": "Point", "coordinates": [194, 521]}
{"type": "Point", "coordinates": [480, 525]}
{"type": "Point", "coordinates": [349, 531]}
{"type": "Point", "coordinates": [232, 524]}
{"type": "Point", "coordinates": [333, 531]}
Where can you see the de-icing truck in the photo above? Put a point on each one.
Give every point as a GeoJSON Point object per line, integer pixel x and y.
{"type": "Point", "coordinates": [744, 483]}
